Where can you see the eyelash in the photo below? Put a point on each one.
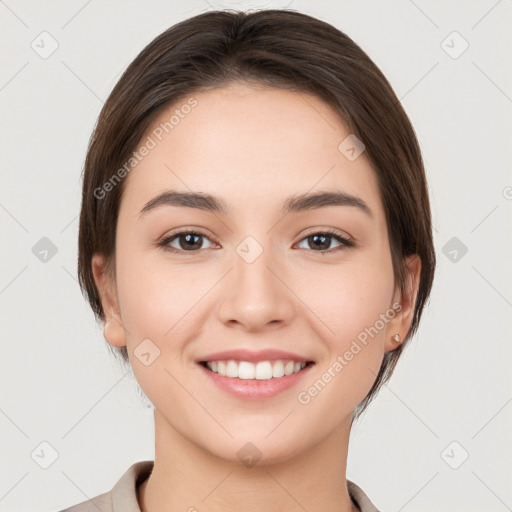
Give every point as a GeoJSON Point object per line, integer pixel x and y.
{"type": "Point", "coordinates": [345, 242]}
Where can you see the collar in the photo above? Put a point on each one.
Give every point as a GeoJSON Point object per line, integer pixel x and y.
{"type": "Point", "coordinates": [124, 493]}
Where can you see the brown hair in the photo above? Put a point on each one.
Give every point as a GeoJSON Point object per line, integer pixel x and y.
{"type": "Point", "coordinates": [277, 48]}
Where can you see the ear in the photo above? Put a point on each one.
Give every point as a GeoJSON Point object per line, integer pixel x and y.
{"type": "Point", "coordinates": [401, 322]}
{"type": "Point", "coordinates": [113, 328]}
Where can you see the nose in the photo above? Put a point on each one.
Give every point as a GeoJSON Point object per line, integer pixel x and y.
{"type": "Point", "coordinates": [256, 295]}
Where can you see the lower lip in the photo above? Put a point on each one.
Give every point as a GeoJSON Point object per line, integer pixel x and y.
{"type": "Point", "coordinates": [256, 389]}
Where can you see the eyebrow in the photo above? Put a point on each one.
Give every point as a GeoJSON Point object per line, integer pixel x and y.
{"type": "Point", "coordinates": [295, 203]}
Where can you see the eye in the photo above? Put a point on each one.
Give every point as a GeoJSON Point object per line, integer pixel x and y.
{"type": "Point", "coordinates": [322, 240]}
{"type": "Point", "coordinates": [187, 241]}
{"type": "Point", "coordinates": [192, 241]}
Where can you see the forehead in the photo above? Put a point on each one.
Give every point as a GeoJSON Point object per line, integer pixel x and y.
{"type": "Point", "coordinates": [248, 144]}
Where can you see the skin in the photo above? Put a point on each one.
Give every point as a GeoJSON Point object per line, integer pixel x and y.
{"type": "Point", "coordinates": [253, 147]}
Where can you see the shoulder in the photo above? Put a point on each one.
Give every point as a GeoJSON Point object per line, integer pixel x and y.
{"type": "Point", "coordinates": [360, 498]}
{"type": "Point", "coordinates": [122, 497]}
{"type": "Point", "coordinates": [101, 502]}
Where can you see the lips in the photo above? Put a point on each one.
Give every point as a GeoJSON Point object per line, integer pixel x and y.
{"type": "Point", "coordinates": [258, 379]}
{"type": "Point", "coordinates": [250, 356]}
{"type": "Point", "coordinates": [255, 374]}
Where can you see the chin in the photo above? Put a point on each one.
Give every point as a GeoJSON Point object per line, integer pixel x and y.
{"type": "Point", "coordinates": [253, 449]}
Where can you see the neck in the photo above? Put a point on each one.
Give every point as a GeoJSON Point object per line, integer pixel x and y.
{"type": "Point", "coordinates": [187, 477]}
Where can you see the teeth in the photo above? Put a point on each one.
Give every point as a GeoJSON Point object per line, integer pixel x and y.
{"type": "Point", "coordinates": [231, 369]}
{"type": "Point", "coordinates": [264, 370]}
{"type": "Point", "coordinates": [289, 367]}
{"type": "Point", "coordinates": [278, 369]}
{"type": "Point", "coordinates": [243, 370]}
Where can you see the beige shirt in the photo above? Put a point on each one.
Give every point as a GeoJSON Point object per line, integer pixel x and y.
{"type": "Point", "coordinates": [123, 496]}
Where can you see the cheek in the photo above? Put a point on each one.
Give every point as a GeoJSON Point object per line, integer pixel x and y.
{"type": "Point", "coordinates": [353, 304]}
{"type": "Point", "coordinates": [154, 294]}
{"type": "Point", "coordinates": [159, 298]}
{"type": "Point", "coordinates": [157, 305]}
{"type": "Point", "coordinates": [348, 298]}
{"type": "Point", "coordinates": [339, 304]}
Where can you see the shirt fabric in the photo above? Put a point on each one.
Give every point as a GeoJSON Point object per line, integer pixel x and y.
{"type": "Point", "coordinates": [123, 496]}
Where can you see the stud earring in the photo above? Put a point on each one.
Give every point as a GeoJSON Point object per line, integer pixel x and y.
{"type": "Point", "coordinates": [396, 338]}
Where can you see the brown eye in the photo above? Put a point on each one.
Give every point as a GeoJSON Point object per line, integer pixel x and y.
{"type": "Point", "coordinates": [184, 241]}
{"type": "Point", "coordinates": [321, 242]}
{"type": "Point", "coordinates": [190, 241]}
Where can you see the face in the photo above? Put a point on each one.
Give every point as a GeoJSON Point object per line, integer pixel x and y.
{"type": "Point", "coordinates": [264, 275]}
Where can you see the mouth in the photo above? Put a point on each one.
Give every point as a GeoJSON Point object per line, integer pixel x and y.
{"type": "Point", "coordinates": [261, 370]}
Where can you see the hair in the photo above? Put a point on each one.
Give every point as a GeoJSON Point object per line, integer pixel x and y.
{"type": "Point", "coordinates": [277, 48]}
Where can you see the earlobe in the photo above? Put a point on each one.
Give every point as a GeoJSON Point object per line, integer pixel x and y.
{"type": "Point", "coordinates": [114, 331]}
{"type": "Point", "coordinates": [113, 328]}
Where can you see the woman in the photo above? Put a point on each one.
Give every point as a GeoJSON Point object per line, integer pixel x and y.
{"type": "Point", "coordinates": [255, 236]}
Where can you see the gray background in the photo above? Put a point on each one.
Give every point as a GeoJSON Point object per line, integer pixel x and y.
{"type": "Point", "coordinates": [450, 396]}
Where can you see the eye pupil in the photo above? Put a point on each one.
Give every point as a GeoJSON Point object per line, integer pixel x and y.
{"type": "Point", "coordinates": [322, 238]}
{"type": "Point", "coordinates": [191, 241]}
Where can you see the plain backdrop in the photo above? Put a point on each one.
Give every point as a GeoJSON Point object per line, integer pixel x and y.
{"type": "Point", "coordinates": [438, 435]}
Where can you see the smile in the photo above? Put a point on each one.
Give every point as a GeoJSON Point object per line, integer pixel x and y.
{"type": "Point", "coordinates": [263, 370]}
{"type": "Point", "coordinates": [255, 380]}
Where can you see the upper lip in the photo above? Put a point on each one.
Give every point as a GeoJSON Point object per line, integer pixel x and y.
{"type": "Point", "coordinates": [252, 356]}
